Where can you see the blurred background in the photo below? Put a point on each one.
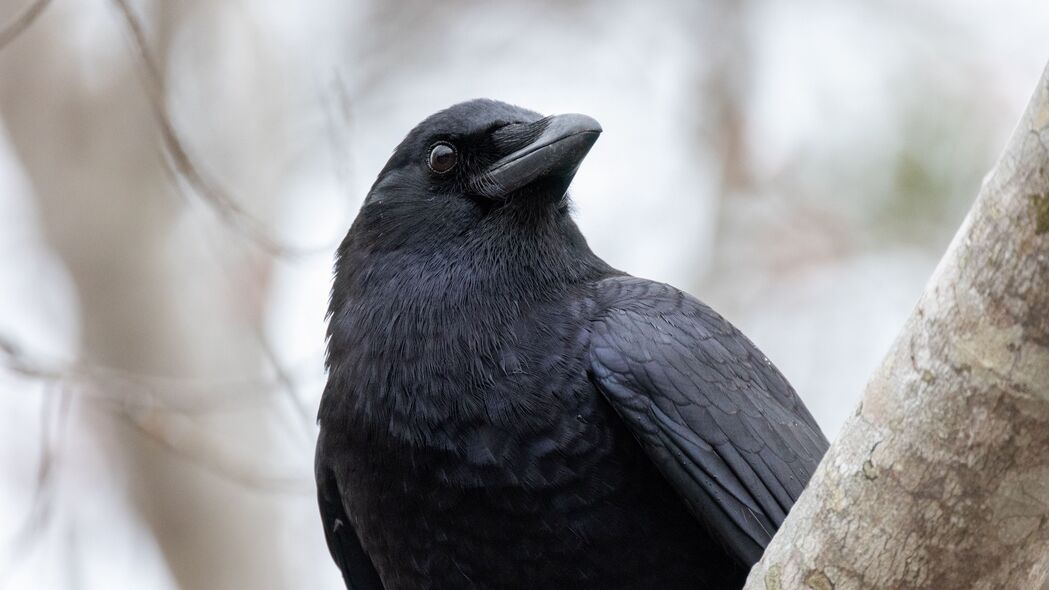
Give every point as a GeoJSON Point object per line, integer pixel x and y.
{"type": "Point", "coordinates": [174, 177]}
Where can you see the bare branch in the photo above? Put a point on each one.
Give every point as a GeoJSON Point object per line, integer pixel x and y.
{"type": "Point", "coordinates": [218, 198]}
{"type": "Point", "coordinates": [336, 104]}
{"type": "Point", "coordinates": [10, 31]}
{"type": "Point", "coordinates": [42, 508]}
{"type": "Point", "coordinates": [143, 402]}
{"type": "Point", "coordinates": [130, 390]}
{"type": "Point", "coordinates": [284, 381]}
{"type": "Point", "coordinates": [205, 457]}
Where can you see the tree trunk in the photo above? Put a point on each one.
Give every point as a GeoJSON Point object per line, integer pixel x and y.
{"type": "Point", "coordinates": [941, 478]}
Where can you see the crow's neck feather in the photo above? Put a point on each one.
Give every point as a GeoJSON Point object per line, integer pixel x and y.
{"type": "Point", "coordinates": [409, 326]}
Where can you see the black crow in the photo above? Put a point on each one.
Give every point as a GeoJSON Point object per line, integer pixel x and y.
{"type": "Point", "coordinates": [505, 410]}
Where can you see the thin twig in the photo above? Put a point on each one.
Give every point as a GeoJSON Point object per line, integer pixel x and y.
{"type": "Point", "coordinates": [213, 463]}
{"type": "Point", "coordinates": [42, 507]}
{"type": "Point", "coordinates": [336, 103]}
{"type": "Point", "coordinates": [282, 379]}
{"type": "Point", "coordinates": [130, 390]}
{"type": "Point", "coordinates": [287, 384]}
{"type": "Point", "coordinates": [221, 201]}
{"type": "Point", "coordinates": [23, 21]}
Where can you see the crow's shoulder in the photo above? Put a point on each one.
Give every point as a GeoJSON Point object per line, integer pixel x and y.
{"type": "Point", "coordinates": [713, 413]}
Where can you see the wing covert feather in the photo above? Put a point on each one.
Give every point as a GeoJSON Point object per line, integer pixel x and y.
{"type": "Point", "coordinates": [715, 416]}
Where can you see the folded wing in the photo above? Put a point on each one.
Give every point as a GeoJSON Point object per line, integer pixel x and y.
{"type": "Point", "coordinates": [715, 416]}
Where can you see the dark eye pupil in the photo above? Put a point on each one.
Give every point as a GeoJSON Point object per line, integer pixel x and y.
{"type": "Point", "coordinates": [442, 158]}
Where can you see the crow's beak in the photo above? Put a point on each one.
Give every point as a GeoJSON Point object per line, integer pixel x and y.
{"type": "Point", "coordinates": [560, 143]}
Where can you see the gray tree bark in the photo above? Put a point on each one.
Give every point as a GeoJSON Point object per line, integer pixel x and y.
{"type": "Point", "coordinates": [940, 479]}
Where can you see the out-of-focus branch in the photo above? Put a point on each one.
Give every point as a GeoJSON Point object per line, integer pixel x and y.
{"type": "Point", "coordinates": [147, 306]}
{"type": "Point", "coordinates": [51, 444]}
{"type": "Point", "coordinates": [139, 391]}
{"type": "Point", "coordinates": [192, 450]}
{"type": "Point", "coordinates": [141, 401]}
{"type": "Point", "coordinates": [336, 105]}
{"type": "Point", "coordinates": [283, 380]}
{"type": "Point", "coordinates": [18, 25]}
{"type": "Point", "coordinates": [217, 197]}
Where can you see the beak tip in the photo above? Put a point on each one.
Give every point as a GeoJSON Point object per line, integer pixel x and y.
{"type": "Point", "coordinates": [580, 122]}
{"type": "Point", "coordinates": [562, 143]}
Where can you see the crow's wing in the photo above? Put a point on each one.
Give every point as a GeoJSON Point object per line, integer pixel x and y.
{"type": "Point", "coordinates": [717, 418]}
{"type": "Point", "coordinates": [357, 569]}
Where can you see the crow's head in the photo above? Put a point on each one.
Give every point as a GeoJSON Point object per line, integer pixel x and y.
{"type": "Point", "coordinates": [485, 149]}
{"type": "Point", "coordinates": [477, 161]}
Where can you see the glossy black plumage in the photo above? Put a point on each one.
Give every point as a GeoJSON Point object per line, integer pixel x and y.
{"type": "Point", "coordinates": [505, 410]}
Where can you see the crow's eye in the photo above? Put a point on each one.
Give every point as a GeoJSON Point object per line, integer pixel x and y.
{"type": "Point", "coordinates": [442, 157]}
